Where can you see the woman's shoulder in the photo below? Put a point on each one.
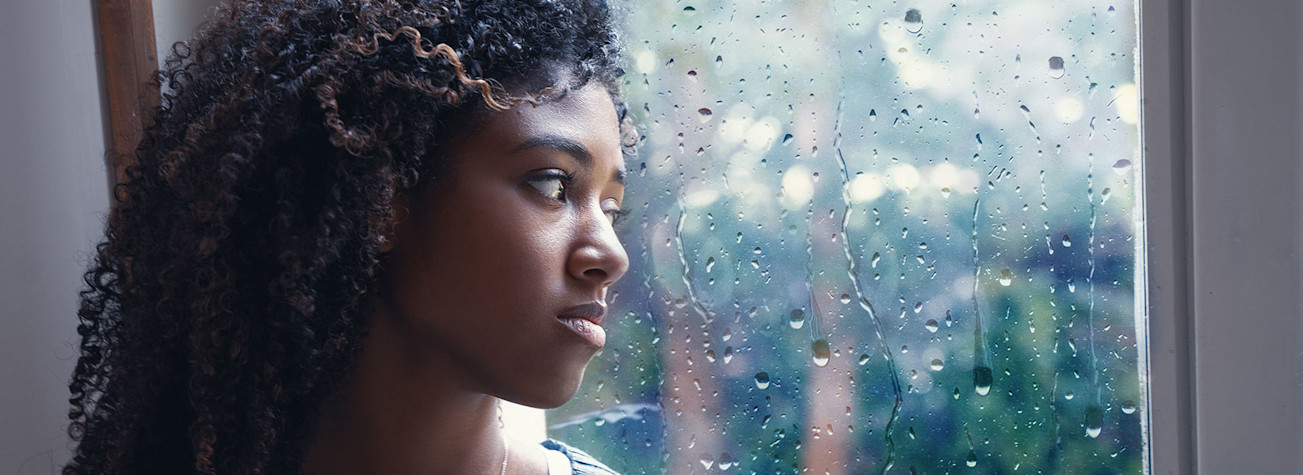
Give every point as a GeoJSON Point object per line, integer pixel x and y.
{"type": "Point", "coordinates": [580, 462]}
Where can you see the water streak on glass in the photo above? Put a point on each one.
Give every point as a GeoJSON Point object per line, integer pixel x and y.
{"type": "Point", "coordinates": [1094, 413]}
{"type": "Point", "coordinates": [699, 307]}
{"type": "Point", "coordinates": [852, 271]}
{"type": "Point", "coordinates": [983, 377]}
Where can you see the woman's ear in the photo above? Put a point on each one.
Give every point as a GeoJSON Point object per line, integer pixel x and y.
{"type": "Point", "coordinates": [388, 229]}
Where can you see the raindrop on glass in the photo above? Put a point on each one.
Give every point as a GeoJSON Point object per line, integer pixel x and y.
{"type": "Point", "coordinates": [971, 461]}
{"type": "Point", "coordinates": [820, 350]}
{"type": "Point", "coordinates": [1128, 407]}
{"type": "Point", "coordinates": [931, 325]}
{"type": "Point", "coordinates": [982, 379]}
{"type": "Point", "coordinates": [1067, 241]}
{"type": "Point", "coordinates": [762, 380]}
{"type": "Point", "coordinates": [937, 364]}
{"type": "Point", "coordinates": [725, 461]}
{"type": "Point", "coordinates": [864, 359]}
{"type": "Point", "coordinates": [797, 319]}
{"type": "Point", "coordinates": [707, 461]}
{"type": "Point", "coordinates": [787, 139]}
{"type": "Point", "coordinates": [1094, 421]}
{"type": "Point", "coordinates": [1056, 67]}
{"type": "Point", "coordinates": [845, 299]}
{"type": "Point", "coordinates": [913, 20]}
{"type": "Point", "coordinates": [1006, 277]}
{"type": "Point", "coordinates": [1122, 166]}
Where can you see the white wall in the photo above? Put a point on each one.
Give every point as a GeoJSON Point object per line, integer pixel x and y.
{"type": "Point", "coordinates": [53, 202]}
{"type": "Point", "coordinates": [1246, 161]}
{"type": "Point", "coordinates": [176, 20]}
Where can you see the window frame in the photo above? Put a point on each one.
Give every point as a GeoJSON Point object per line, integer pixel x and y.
{"type": "Point", "coordinates": [1220, 298]}
{"type": "Point", "coordinates": [1165, 246]}
{"type": "Point", "coordinates": [129, 60]}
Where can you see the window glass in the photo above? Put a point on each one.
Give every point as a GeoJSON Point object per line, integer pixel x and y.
{"type": "Point", "coordinates": [870, 236]}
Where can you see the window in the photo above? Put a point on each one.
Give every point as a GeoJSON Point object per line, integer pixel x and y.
{"type": "Point", "coordinates": [872, 236]}
{"type": "Point", "coordinates": [1229, 296]}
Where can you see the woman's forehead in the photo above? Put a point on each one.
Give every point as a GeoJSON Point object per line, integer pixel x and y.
{"type": "Point", "coordinates": [585, 115]}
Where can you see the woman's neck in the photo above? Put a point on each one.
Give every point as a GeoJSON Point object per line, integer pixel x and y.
{"type": "Point", "coordinates": [403, 414]}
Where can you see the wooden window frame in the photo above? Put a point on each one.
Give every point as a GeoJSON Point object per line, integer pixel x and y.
{"type": "Point", "coordinates": [126, 35]}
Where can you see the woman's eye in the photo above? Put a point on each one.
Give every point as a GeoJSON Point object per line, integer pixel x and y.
{"type": "Point", "coordinates": [615, 215]}
{"type": "Point", "coordinates": [552, 186]}
{"type": "Point", "coordinates": [613, 211]}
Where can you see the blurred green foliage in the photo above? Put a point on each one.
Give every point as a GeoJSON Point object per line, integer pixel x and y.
{"type": "Point", "coordinates": [846, 215]}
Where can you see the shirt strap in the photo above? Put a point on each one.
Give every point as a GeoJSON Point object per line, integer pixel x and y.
{"type": "Point", "coordinates": [557, 463]}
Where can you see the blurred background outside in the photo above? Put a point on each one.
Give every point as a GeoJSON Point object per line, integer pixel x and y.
{"type": "Point", "coordinates": [876, 236]}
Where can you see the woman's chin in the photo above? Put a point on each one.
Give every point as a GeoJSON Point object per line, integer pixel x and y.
{"type": "Point", "coordinates": [548, 396]}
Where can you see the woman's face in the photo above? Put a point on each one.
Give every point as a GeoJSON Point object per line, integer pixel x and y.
{"type": "Point", "coordinates": [499, 273]}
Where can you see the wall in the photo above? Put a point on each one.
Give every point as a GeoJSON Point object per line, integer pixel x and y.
{"type": "Point", "coordinates": [1246, 160]}
{"type": "Point", "coordinates": [176, 20]}
{"type": "Point", "coordinates": [53, 202]}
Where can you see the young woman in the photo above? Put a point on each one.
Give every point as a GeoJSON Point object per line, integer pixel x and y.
{"type": "Point", "coordinates": [354, 227]}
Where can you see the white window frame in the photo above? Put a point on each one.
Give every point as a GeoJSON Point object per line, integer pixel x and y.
{"type": "Point", "coordinates": [1222, 118]}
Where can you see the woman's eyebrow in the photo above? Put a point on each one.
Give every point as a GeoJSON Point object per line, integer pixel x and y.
{"type": "Point", "coordinates": [569, 146]}
{"type": "Point", "coordinates": [557, 142]}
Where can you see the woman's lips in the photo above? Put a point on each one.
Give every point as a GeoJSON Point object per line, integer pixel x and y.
{"type": "Point", "coordinates": [586, 320]}
{"type": "Point", "coordinates": [590, 331]}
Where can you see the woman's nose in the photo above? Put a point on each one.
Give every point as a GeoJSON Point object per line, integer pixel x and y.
{"type": "Point", "coordinates": [597, 256]}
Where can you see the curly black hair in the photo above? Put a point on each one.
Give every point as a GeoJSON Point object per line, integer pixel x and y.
{"type": "Point", "coordinates": [239, 264]}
